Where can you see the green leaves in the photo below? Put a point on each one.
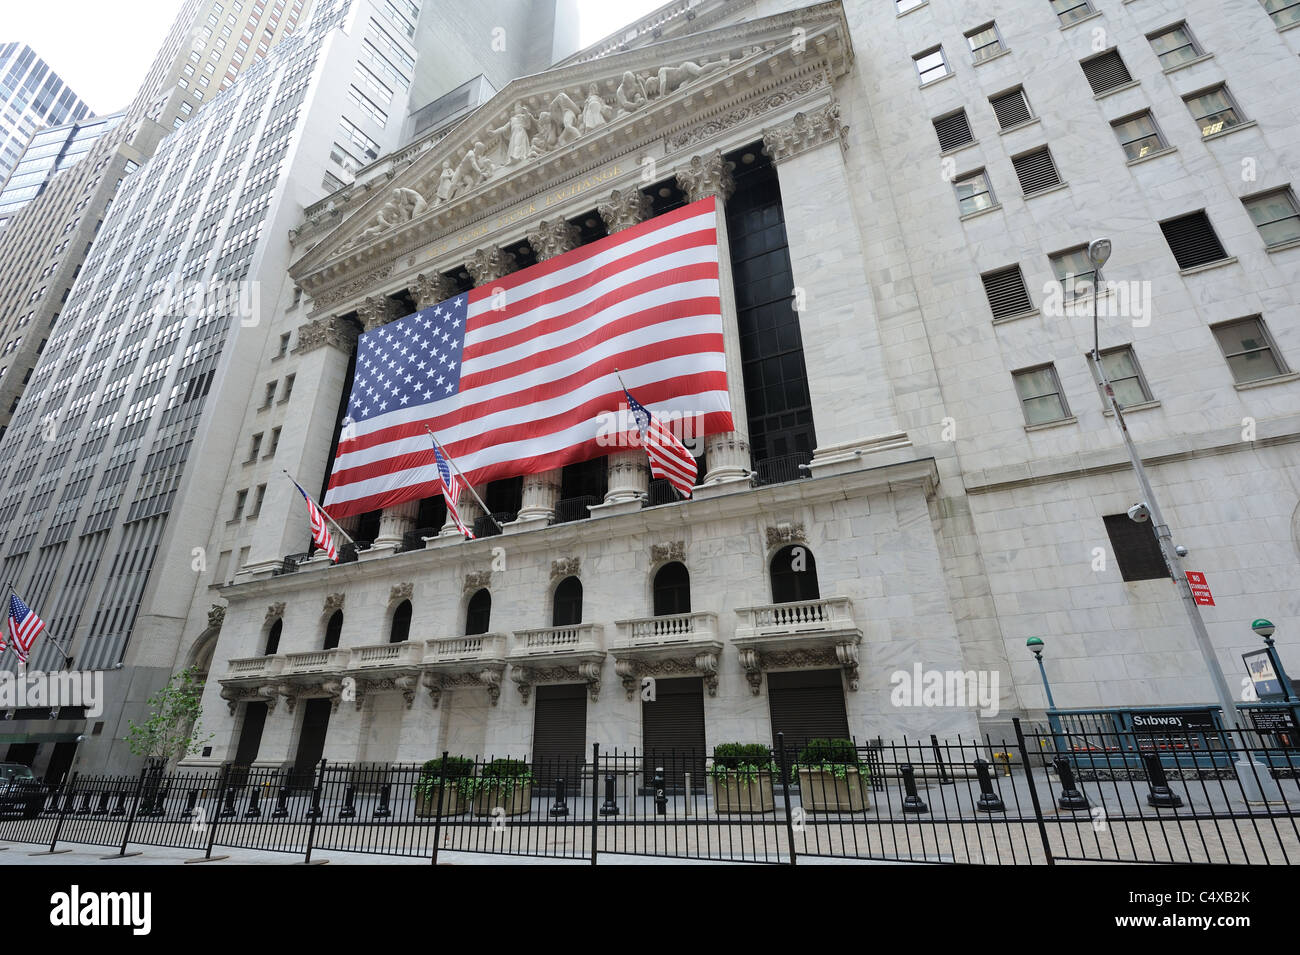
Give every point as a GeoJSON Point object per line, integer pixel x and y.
{"type": "Point", "coordinates": [174, 726]}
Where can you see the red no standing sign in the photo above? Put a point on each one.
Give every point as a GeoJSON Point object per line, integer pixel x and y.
{"type": "Point", "coordinates": [1200, 589]}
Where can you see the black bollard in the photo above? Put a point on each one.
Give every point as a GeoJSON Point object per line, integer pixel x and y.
{"type": "Point", "coordinates": [989, 801]}
{"type": "Point", "coordinates": [561, 805]}
{"type": "Point", "coordinates": [228, 809]}
{"type": "Point", "coordinates": [102, 808]}
{"type": "Point", "coordinates": [85, 804]}
{"type": "Point", "coordinates": [944, 778]}
{"type": "Point", "coordinates": [281, 803]}
{"type": "Point", "coordinates": [1070, 797]}
{"type": "Point", "coordinates": [911, 802]}
{"type": "Point", "coordinates": [609, 807]}
{"type": "Point", "coordinates": [1160, 796]}
{"type": "Point", "coordinates": [69, 802]}
{"type": "Point", "coordinates": [159, 807]}
{"type": "Point", "coordinates": [349, 809]}
{"type": "Point", "coordinates": [385, 793]}
{"type": "Point", "coordinates": [661, 797]}
{"type": "Point", "coordinates": [191, 800]}
{"type": "Point", "coordinates": [254, 810]}
{"type": "Point", "coordinates": [314, 812]}
{"type": "Point", "coordinates": [53, 804]}
{"type": "Point", "coordinates": [120, 808]}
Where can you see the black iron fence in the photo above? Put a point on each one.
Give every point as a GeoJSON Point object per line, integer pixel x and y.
{"type": "Point", "coordinates": [1042, 798]}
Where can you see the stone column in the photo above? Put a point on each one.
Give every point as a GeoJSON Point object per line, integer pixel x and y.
{"type": "Point", "coordinates": [629, 471]}
{"type": "Point", "coordinates": [429, 290]}
{"type": "Point", "coordinates": [395, 521]}
{"type": "Point", "coordinates": [485, 267]}
{"type": "Point", "coordinates": [727, 455]}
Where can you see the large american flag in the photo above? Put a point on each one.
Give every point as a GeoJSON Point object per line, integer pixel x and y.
{"type": "Point", "coordinates": [669, 458]}
{"type": "Point", "coordinates": [519, 376]}
{"type": "Point", "coordinates": [24, 626]}
{"type": "Point", "coordinates": [320, 532]}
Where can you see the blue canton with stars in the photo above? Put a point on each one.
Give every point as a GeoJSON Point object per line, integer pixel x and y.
{"type": "Point", "coordinates": [410, 362]}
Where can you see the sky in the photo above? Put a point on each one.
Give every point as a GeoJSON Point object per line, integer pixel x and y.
{"type": "Point", "coordinates": [103, 56]}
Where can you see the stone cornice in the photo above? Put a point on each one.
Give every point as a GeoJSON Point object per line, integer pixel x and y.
{"type": "Point", "coordinates": [805, 131]}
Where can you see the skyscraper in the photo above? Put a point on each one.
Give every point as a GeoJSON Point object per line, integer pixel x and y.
{"type": "Point", "coordinates": [31, 96]}
{"type": "Point", "coordinates": [48, 153]}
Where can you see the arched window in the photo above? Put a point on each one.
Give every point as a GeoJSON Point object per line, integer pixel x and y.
{"type": "Point", "coordinates": [479, 613]}
{"type": "Point", "coordinates": [672, 590]}
{"type": "Point", "coordinates": [273, 638]}
{"type": "Point", "coordinates": [794, 575]}
{"type": "Point", "coordinates": [401, 629]}
{"type": "Point", "coordinates": [334, 630]}
{"type": "Point", "coordinates": [568, 603]}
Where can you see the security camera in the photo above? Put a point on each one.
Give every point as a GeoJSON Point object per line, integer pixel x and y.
{"type": "Point", "coordinates": [1139, 513]}
{"type": "Point", "coordinates": [1180, 550]}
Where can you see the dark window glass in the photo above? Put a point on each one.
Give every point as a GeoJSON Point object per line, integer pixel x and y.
{"type": "Point", "coordinates": [1135, 547]}
{"type": "Point", "coordinates": [672, 590]}
{"type": "Point", "coordinates": [794, 575]}
{"type": "Point", "coordinates": [479, 614]}
{"type": "Point", "coordinates": [401, 629]}
{"type": "Point", "coordinates": [334, 630]}
{"type": "Point", "coordinates": [273, 638]}
{"type": "Point", "coordinates": [568, 603]}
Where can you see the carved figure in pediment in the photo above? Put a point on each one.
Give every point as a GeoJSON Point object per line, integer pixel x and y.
{"type": "Point", "coordinates": [630, 94]}
{"type": "Point", "coordinates": [595, 111]}
{"type": "Point", "coordinates": [473, 169]}
{"type": "Point", "coordinates": [564, 116]}
{"type": "Point", "coordinates": [446, 181]}
{"type": "Point", "coordinates": [548, 136]}
{"type": "Point", "coordinates": [517, 133]}
{"type": "Point", "coordinates": [409, 202]}
{"type": "Point", "coordinates": [671, 78]}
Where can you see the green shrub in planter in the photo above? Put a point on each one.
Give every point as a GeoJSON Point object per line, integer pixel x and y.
{"type": "Point", "coordinates": [503, 783]}
{"type": "Point", "coordinates": [831, 777]}
{"type": "Point", "coordinates": [455, 771]}
{"type": "Point", "coordinates": [742, 777]}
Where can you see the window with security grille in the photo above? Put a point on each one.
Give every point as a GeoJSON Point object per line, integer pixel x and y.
{"type": "Point", "coordinates": [1106, 72]}
{"type": "Point", "coordinates": [1040, 394]}
{"type": "Point", "coordinates": [985, 42]}
{"type": "Point", "coordinates": [1036, 171]}
{"type": "Point", "coordinates": [1011, 108]}
{"type": "Point", "coordinates": [1069, 11]}
{"type": "Point", "coordinates": [931, 65]}
{"type": "Point", "coordinates": [1192, 240]}
{"type": "Point", "coordinates": [1276, 216]}
{"type": "Point", "coordinates": [1174, 45]}
{"type": "Point", "coordinates": [1213, 110]}
{"type": "Point", "coordinates": [1006, 292]}
{"type": "Point", "coordinates": [1249, 350]}
{"type": "Point", "coordinates": [1136, 550]}
{"type": "Point", "coordinates": [1138, 135]}
{"type": "Point", "coordinates": [973, 193]}
{"type": "Point", "coordinates": [1124, 375]}
{"type": "Point", "coordinates": [1283, 12]}
{"type": "Point", "coordinates": [953, 130]}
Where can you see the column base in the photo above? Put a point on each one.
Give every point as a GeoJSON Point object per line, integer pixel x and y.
{"type": "Point", "coordinates": [531, 522]}
{"type": "Point", "coordinates": [870, 452]}
{"type": "Point", "coordinates": [612, 508]}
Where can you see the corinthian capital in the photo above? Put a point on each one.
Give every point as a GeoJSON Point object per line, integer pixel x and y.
{"type": "Point", "coordinates": [488, 265]}
{"type": "Point", "coordinates": [706, 176]}
{"type": "Point", "coordinates": [378, 310]}
{"type": "Point", "coordinates": [623, 208]}
{"type": "Point", "coordinates": [804, 132]}
{"type": "Point", "coordinates": [432, 289]}
{"type": "Point", "coordinates": [550, 239]}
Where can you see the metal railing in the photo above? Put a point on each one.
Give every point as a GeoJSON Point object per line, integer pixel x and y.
{"type": "Point", "coordinates": [486, 525]}
{"type": "Point", "coordinates": [574, 508]}
{"type": "Point", "coordinates": [780, 470]}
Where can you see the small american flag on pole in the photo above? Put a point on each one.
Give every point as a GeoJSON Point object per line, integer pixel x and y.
{"type": "Point", "coordinates": [24, 625]}
{"type": "Point", "coordinates": [320, 532]}
{"type": "Point", "coordinates": [669, 458]}
{"type": "Point", "coordinates": [450, 488]}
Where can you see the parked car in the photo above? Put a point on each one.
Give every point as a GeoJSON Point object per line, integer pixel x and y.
{"type": "Point", "coordinates": [20, 791]}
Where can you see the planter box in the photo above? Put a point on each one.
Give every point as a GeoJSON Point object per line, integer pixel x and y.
{"type": "Point", "coordinates": [732, 794]}
{"type": "Point", "coordinates": [516, 804]}
{"type": "Point", "coordinates": [452, 805]}
{"type": "Point", "coordinates": [824, 792]}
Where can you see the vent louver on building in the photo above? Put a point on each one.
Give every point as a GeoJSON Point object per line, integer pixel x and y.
{"type": "Point", "coordinates": [953, 130]}
{"type": "Point", "coordinates": [1011, 108]}
{"type": "Point", "coordinates": [1006, 291]}
{"type": "Point", "coordinates": [1192, 240]}
{"type": "Point", "coordinates": [1106, 72]}
{"type": "Point", "coordinates": [1036, 171]}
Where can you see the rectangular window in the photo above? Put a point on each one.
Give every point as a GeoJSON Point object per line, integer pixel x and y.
{"type": "Point", "coordinates": [1124, 375]}
{"type": "Point", "coordinates": [931, 65]}
{"type": "Point", "coordinates": [1138, 135]}
{"type": "Point", "coordinates": [1213, 110]}
{"type": "Point", "coordinates": [1276, 216]}
{"type": "Point", "coordinates": [241, 498]}
{"type": "Point", "coordinates": [275, 442]}
{"type": "Point", "coordinates": [985, 42]}
{"type": "Point", "coordinates": [257, 501]}
{"type": "Point", "coordinates": [953, 130]}
{"type": "Point", "coordinates": [1137, 552]}
{"type": "Point", "coordinates": [1105, 72]}
{"type": "Point", "coordinates": [1040, 395]}
{"type": "Point", "coordinates": [255, 446]}
{"type": "Point", "coordinates": [1068, 11]}
{"type": "Point", "coordinates": [270, 394]}
{"type": "Point", "coordinates": [973, 193]}
{"type": "Point", "coordinates": [1073, 269]}
{"type": "Point", "coordinates": [1174, 45]}
{"type": "Point", "coordinates": [1012, 108]}
{"type": "Point", "coordinates": [1283, 12]}
{"type": "Point", "coordinates": [288, 388]}
{"type": "Point", "coordinates": [284, 345]}
{"type": "Point", "coordinates": [1249, 350]}
{"type": "Point", "coordinates": [1192, 240]}
{"type": "Point", "coordinates": [1036, 171]}
{"type": "Point", "coordinates": [1006, 292]}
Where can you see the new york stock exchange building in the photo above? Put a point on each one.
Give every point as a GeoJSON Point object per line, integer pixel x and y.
{"type": "Point", "coordinates": [829, 542]}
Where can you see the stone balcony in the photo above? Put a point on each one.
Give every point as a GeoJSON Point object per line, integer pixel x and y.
{"type": "Point", "coordinates": [383, 666]}
{"type": "Point", "coordinates": [253, 668]}
{"type": "Point", "coordinates": [684, 644]}
{"type": "Point", "coordinates": [253, 680]}
{"type": "Point", "coordinates": [472, 661]}
{"type": "Point", "coordinates": [558, 655]}
{"type": "Point", "coordinates": [803, 633]}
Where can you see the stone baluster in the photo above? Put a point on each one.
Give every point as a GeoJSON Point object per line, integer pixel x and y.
{"type": "Point", "coordinates": [629, 471]}
{"type": "Point", "coordinates": [727, 454]}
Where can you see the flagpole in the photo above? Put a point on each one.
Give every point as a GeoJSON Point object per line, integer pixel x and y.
{"type": "Point", "coordinates": [676, 493]}
{"type": "Point", "coordinates": [67, 657]}
{"type": "Point", "coordinates": [321, 509]}
{"type": "Point", "coordinates": [452, 464]}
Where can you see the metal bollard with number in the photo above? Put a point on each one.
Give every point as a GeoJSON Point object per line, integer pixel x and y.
{"type": "Point", "coordinates": [349, 809]}
{"type": "Point", "coordinates": [254, 810]}
{"type": "Point", "coordinates": [609, 807]}
{"type": "Point", "coordinates": [1070, 797]}
{"type": "Point", "coordinates": [561, 805]}
{"type": "Point", "coordinates": [281, 803]}
{"type": "Point", "coordinates": [382, 811]}
{"type": "Point", "coordinates": [911, 802]}
{"type": "Point", "coordinates": [989, 800]}
{"type": "Point", "coordinates": [661, 797]}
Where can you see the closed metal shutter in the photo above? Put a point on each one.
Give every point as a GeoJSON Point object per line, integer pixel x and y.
{"type": "Point", "coordinates": [1006, 291]}
{"type": "Point", "coordinates": [311, 742]}
{"type": "Point", "coordinates": [1106, 72]}
{"type": "Point", "coordinates": [1036, 171]}
{"type": "Point", "coordinates": [953, 130]}
{"type": "Point", "coordinates": [1192, 240]}
{"type": "Point", "coordinates": [559, 735]}
{"type": "Point", "coordinates": [1011, 108]}
{"type": "Point", "coordinates": [250, 734]}
{"type": "Point", "coordinates": [672, 727]}
{"type": "Point", "coordinates": [806, 704]}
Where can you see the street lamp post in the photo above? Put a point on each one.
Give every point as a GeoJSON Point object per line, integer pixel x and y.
{"type": "Point", "coordinates": [1035, 644]}
{"type": "Point", "coordinates": [1249, 775]}
{"type": "Point", "coordinates": [1266, 629]}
